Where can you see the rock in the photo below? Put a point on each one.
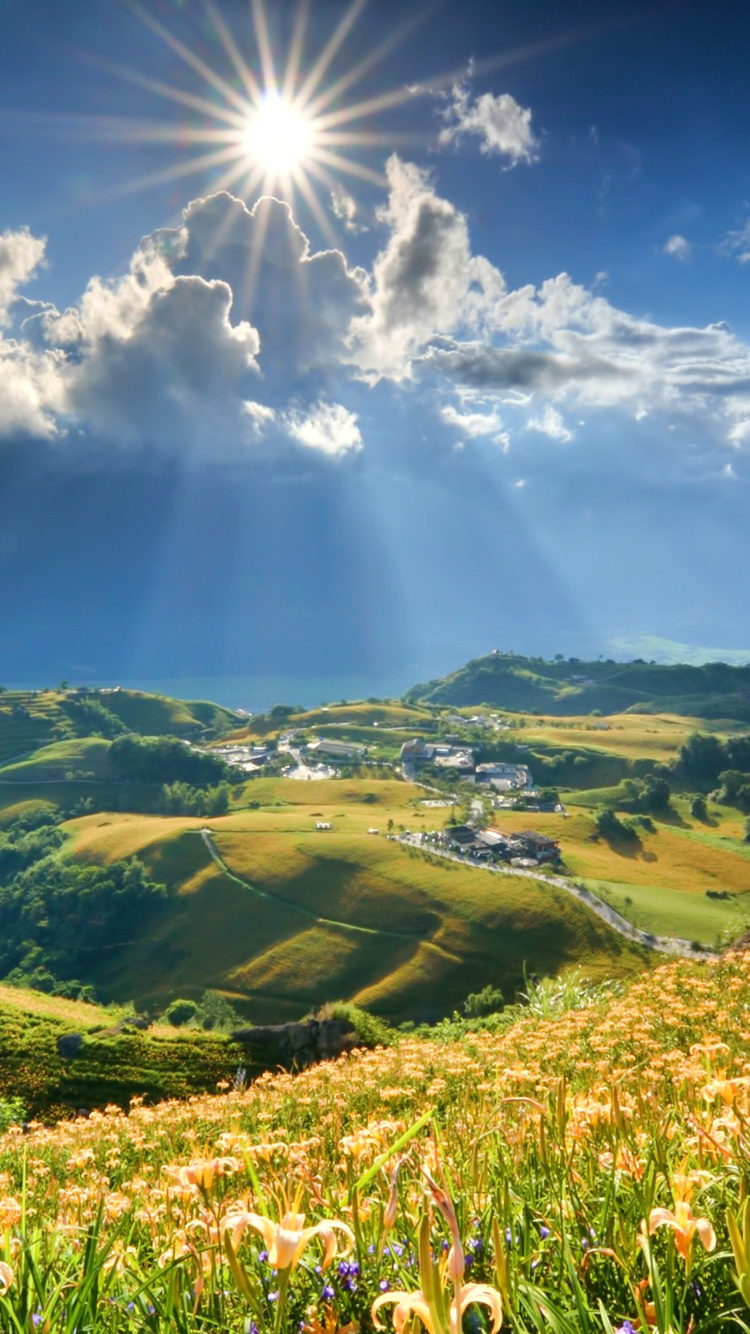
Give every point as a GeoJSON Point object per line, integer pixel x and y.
{"type": "Point", "coordinates": [69, 1045]}
{"type": "Point", "coordinates": [295, 1046]}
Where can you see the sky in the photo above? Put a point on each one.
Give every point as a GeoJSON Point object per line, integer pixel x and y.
{"type": "Point", "coordinates": [346, 341]}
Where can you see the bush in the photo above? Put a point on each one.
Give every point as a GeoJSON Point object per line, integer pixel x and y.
{"type": "Point", "coordinates": [372, 1031]}
{"type": "Point", "coordinates": [180, 1012]}
{"type": "Point", "coordinates": [699, 808]}
{"type": "Point", "coordinates": [487, 1001]}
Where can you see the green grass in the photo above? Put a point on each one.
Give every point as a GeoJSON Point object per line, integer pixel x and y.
{"type": "Point", "coordinates": [51, 763]}
{"type": "Point", "coordinates": [672, 912]}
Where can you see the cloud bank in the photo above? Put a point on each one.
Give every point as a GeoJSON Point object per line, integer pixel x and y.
{"type": "Point", "coordinates": [230, 336]}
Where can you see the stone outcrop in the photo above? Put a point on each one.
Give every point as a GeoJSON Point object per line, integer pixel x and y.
{"type": "Point", "coordinates": [295, 1046]}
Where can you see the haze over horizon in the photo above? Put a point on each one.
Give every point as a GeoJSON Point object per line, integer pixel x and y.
{"type": "Point", "coordinates": [345, 342]}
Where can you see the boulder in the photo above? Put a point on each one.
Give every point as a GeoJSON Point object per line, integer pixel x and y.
{"type": "Point", "coordinates": [69, 1045]}
{"type": "Point", "coordinates": [295, 1046]}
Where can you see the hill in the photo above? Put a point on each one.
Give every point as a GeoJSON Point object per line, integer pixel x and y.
{"type": "Point", "coordinates": [281, 917]}
{"type": "Point", "coordinates": [30, 719]}
{"type": "Point", "coordinates": [511, 681]}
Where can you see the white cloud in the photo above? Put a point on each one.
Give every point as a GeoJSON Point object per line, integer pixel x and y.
{"type": "Point", "coordinates": [737, 244]}
{"type": "Point", "coordinates": [550, 424]}
{"type": "Point", "coordinates": [477, 424]}
{"type": "Point", "coordinates": [260, 415]}
{"type": "Point", "coordinates": [327, 427]}
{"type": "Point", "coordinates": [21, 254]}
{"type": "Point", "coordinates": [501, 124]}
{"type": "Point", "coordinates": [31, 390]}
{"type": "Point", "coordinates": [346, 209]}
{"type": "Point", "coordinates": [678, 246]}
{"type": "Point", "coordinates": [425, 281]}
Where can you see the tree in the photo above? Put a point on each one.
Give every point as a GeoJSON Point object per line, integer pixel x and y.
{"type": "Point", "coordinates": [699, 808]}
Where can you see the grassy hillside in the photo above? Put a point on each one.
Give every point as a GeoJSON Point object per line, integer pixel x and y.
{"type": "Point", "coordinates": [31, 719]}
{"type": "Point", "coordinates": [115, 1062]}
{"type": "Point", "coordinates": [586, 1157]}
{"type": "Point", "coordinates": [511, 681]}
{"type": "Point", "coordinates": [283, 917]}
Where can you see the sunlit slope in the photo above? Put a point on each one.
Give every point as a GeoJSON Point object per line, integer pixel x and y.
{"type": "Point", "coordinates": [664, 878]}
{"type": "Point", "coordinates": [285, 917]}
{"type": "Point", "coordinates": [511, 681]}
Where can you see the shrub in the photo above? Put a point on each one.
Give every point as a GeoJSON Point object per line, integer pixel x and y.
{"type": "Point", "coordinates": [180, 1012]}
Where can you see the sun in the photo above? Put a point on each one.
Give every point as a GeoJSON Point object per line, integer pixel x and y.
{"type": "Point", "coordinates": [279, 137]}
{"type": "Point", "coordinates": [288, 131]}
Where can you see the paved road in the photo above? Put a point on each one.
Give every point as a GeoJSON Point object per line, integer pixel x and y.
{"type": "Point", "coordinates": [661, 944]}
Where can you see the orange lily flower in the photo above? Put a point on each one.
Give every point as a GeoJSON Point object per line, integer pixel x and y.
{"type": "Point", "coordinates": [6, 1278]}
{"type": "Point", "coordinates": [684, 1225]}
{"type": "Point", "coordinates": [286, 1240]}
{"type": "Point", "coordinates": [202, 1172]}
{"type": "Point", "coordinates": [415, 1303]}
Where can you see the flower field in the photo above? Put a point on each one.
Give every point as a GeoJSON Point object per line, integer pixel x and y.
{"type": "Point", "coordinates": [587, 1171]}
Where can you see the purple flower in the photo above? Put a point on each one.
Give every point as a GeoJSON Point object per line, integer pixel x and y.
{"type": "Point", "coordinates": [371, 1248]}
{"type": "Point", "coordinates": [273, 1296]}
{"type": "Point", "coordinates": [626, 1328]}
{"type": "Point", "coordinates": [475, 1244]}
{"type": "Point", "coordinates": [543, 1232]}
{"type": "Point", "coordinates": [262, 1255]}
{"type": "Point", "coordinates": [384, 1285]}
{"type": "Point", "coordinates": [327, 1292]}
{"type": "Point", "coordinates": [397, 1248]}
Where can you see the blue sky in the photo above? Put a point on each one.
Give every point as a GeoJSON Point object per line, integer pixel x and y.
{"type": "Point", "coordinates": [447, 349]}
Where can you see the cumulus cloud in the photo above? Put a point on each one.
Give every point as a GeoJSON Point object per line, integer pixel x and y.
{"type": "Point", "coordinates": [425, 281]}
{"type": "Point", "coordinates": [181, 371]}
{"type": "Point", "coordinates": [678, 246]}
{"type": "Point", "coordinates": [551, 424]}
{"type": "Point", "coordinates": [328, 427]}
{"type": "Point", "coordinates": [230, 333]}
{"type": "Point", "coordinates": [300, 301]}
{"type": "Point", "coordinates": [21, 254]}
{"type": "Point", "coordinates": [500, 123]}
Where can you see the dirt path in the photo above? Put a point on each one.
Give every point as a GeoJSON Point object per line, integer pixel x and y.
{"type": "Point", "coordinates": [311, 916]}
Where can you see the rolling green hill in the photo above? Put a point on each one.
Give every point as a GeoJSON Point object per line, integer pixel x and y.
{"type": "Point", "coordinates": [282, 917]}
{"type": "Point", "coordinates": [570, 687]}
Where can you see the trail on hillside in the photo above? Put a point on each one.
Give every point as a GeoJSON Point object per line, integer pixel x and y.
{"type": "Point", "coordinates": [311, 916]}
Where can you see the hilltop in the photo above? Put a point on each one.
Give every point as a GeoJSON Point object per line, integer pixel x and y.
{"type": "Point", "coordinates": [572, 686]}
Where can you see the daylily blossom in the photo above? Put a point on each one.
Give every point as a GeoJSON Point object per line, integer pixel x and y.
{"type": "Point", "coordinates": [6, 1278]}
{"type": "Point", "coordinates": [285, 1241]}
{"type": "Point", "coordinates": [432, 1304]}
{"type": "Point", "coordinates": [202, 1172]}
{"type": "Point", "coordinates": [415, 1303]}
{"type": "Point", "coordinates": [684, 1225]}
{"type": "Point", "coordinates": [443, 1202]}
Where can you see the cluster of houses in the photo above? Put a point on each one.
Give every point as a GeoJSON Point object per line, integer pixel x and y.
{"type": "Point", "coordinates": [450, 754]}
{"type": "Point", "coordinates": [248, 758]}
{"type": "Point", "coordinates": [522, 848]}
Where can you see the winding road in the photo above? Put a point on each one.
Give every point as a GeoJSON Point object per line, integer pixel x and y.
{"type": "Point", "coordinates": [672, 945]}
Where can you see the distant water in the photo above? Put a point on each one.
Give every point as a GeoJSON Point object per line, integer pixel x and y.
{"type": "Point", "coordinates": [258, 693]}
